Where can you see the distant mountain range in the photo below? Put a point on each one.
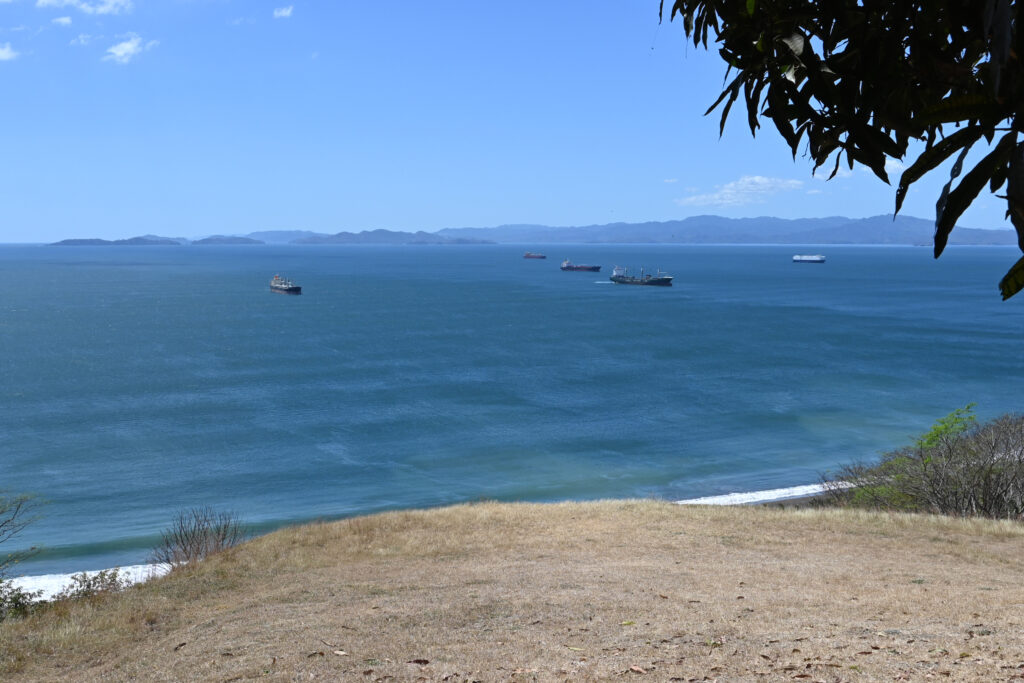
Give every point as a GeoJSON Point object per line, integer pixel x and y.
{"type": "Point", "coordinates": [765, 230]}
{"type": "Point", "coordinates": [695, 230]}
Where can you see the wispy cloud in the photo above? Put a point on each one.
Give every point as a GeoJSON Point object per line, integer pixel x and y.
{"type": "Point", "coordinates": [671, 180]}
{"type": "Point", "coordinates": [823, 172]}
{"type": "Point", "coordinates": [99, 7]}
{"type": "Point", "coordinates": [7, 53]}
{"type": "Point", "coordinates": [283, 12]}
{"type": "Point", "coordinates": [129, 49]}
{"type": "Point", "coordinates": [750, 189]}
{"type": "Point", "coordinates": [893, 166]}
{"type": "Point", "coordinates": [62, 21]}
{"type": "Point", "coordinates": [82, 39]}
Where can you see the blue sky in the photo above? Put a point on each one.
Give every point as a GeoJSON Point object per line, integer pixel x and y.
{"type": "Point", "coordinates": [198, 117]}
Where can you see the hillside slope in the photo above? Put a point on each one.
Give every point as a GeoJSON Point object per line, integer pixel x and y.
{"type": "Point", "coordinates": [573, 591]}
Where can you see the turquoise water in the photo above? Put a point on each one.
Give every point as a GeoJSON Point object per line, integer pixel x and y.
{"type": "Point", "coordinates": [141, 381]}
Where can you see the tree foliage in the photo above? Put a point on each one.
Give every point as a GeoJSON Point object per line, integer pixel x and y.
{"type": "Point", "coordinates": [960, 467]}
{"type": "Point", "coordinates": [858, 80]}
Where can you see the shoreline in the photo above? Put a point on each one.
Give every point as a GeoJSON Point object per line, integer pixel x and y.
{"type": "Point", "coordinates": [51, 584]}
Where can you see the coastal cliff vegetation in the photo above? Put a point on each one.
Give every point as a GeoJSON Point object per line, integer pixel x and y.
{"type": "Point", "coordinates": [960, 467]}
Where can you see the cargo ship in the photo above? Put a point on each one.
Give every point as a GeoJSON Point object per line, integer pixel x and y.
{"type": "Point", "coordinates": [621, 276]}
{"type": "Point", "coordinates": [284, 286]}
{"type": "Point", "coordinates": [808, 258]}
{"type": "Point", "coordinates": [568, 265]}
{"type": "Point", "coordinates": [531, 254]}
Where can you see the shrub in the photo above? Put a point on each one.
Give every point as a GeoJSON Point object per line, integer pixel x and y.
{"type": "Point", "coordinates": [90, 585]}
{"type": "Point", "coordinates": [196, 534]}
{"type": "Point", "coordinates": [959, 467]}
{"type": "Point", "coordinates": [16, 601]}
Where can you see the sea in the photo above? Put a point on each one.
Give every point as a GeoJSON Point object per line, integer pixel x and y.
{"type": "Point", "coordinates": [138, 382]}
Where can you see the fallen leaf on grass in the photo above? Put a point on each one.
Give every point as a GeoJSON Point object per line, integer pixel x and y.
{"type": "Point", "coordinates": [179, 646]}
{"type": "Point", "coordinates": [418, 661]}
{"type": "Point", "coordinates": [340, 653]}
{"type": "Point", "coordinates": [628, 623]}
{"type": "Point", "coordinates": [318, 653]}
{"type": "Point", "coordinates": [638, 670]}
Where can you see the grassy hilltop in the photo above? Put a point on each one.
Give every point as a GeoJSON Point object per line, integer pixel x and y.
{"type": "Point", "coordinates": [638, 590]}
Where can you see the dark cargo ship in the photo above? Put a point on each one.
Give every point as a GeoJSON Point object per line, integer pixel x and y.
{"type": "Point", "coordinates": [283, 285]}
{"type": "Point", "coordinates": [568, 265]}
{"type": "Point", "coordinates": [533, 254]}
{"type": "Point", "coordinates": [621, 276]}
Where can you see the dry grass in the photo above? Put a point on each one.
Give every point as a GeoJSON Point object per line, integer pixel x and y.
{"type": "Point", "coordinates": [581, 592]}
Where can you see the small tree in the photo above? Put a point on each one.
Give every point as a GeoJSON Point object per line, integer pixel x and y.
{"type": "Point", "coordinates": [16, 513]}
{"type": "Point", "coordinates": [959, 467]}
{"type": "Point", "coordinates": [195, 534]}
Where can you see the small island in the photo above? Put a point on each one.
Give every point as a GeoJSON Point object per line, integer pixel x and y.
{"type": "Point", "coordinates": [147, 241]}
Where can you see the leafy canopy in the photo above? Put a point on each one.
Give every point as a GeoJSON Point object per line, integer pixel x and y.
{"type": "Point", "coordinates": [858, 80]}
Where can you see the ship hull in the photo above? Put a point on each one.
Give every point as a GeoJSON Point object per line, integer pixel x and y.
{"type": "Point", "coordinates": [648, 282]}
{"type": "Point", "coordinates": [286, 290]}
{"type": "Point", "coordinates": [587, 269]}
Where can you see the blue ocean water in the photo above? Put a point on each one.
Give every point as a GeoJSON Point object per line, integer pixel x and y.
{"type": "Point", "coordinates": [141, 381]}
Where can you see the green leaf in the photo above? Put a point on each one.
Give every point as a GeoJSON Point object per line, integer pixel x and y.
{"type": "Point", "coordinates": [1013, 281]}
{"type": "Point", "coordinates": [1015, 193]}
{"type": "Point", "coordinates": [963, 108]}
{"type": "Point", "coordinates": [933, 156]}
{"type": "Point", "coordinates": [968, 189]}
{"type": "Point", "coordinates": [751, 6]}
{"type": "Point", "coordinates": [940, 205]}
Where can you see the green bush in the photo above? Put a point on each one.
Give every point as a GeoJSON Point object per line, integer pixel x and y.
{"type": "Point", "coordinates": [15, 601]}
{"type": "Point", "coordinates": [90, 585]}
{"type": "Point", "coordinates": [960, 467]}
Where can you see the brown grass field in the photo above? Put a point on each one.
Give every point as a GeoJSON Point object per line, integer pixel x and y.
{"type": "Point", "coordinates": [606, 591]}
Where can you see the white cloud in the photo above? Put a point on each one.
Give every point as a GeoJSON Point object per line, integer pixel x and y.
{"type": "Point", "coordinates": [129, 49]}
{"type": "Point", "coordinates": [62, 21]}
{"type": "Point", "coordinates": [99, 7]}
{"type": "Point", "coordinates": [283, 12]}
{"type": "Point", "coordinates": [7, 53]}
{"type": "Point", "coordinates": [893, 166]}
{"type": "Point", "coordinates": [750, 189]}
{"type": "Point", "coordinates": [82, 39]}
{"type": "Point", "coordinates": [822, 173]}
{"type": "Point", "coordinates": [671, 180]}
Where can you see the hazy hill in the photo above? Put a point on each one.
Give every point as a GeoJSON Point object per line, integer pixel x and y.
{"type": "Point", "coordinates": [282, 236]}
{"type": "Point", "coordinates": [390, 237]}
{"type": "Point", "coordinates": [694, 230]}
{"type": "Point", "coordinates": [131, 242]}
{"type": "Point", "coordinates": [719, 230]}
{"type": "Point", "coordinates": [222, 239]}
